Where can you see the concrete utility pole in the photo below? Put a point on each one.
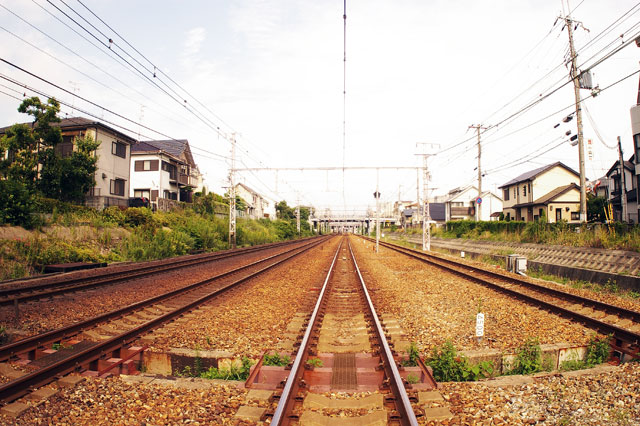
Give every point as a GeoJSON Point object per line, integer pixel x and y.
{"type": "Point", "coordinates": [298, 216]}
{"type": "Point", "coordinates": [575, 76]}
{"type": "Point", "coordinates": [232, 195]}
{"type": "Point", "coordinates": [426, 225]}
{"type": "Point", "coordinates": [623, 185]}
{"type": "Point", "coordinates": [478, 128]}
{"type": "Point", "coordinates": [377, 195]}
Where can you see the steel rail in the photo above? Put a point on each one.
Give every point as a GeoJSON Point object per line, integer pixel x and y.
{"type": "Point", "coordinates": [405, 409]}
{"type": "Point", "coordinates": [620, 311]}
{"type": "Point", "coordinates": [18, 387]}
{"type": "Point", "coordinates": [292, 385]}
{"type": "Point", "coordinates": [53, 336]}
{"type": "Point", "coordinates": [45, 290]}
{"type": "Point", "coordinates": [618, 332]}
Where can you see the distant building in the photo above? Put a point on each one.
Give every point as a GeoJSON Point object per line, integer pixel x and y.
{"type": "Point", "coordinates": [164, 171]}
{"type": "Point", "coordinates": [550, 191]}
{"type": "Point", "coordinates": [460, 204]}
{"type": "Point", "coordinates": [258, 206]}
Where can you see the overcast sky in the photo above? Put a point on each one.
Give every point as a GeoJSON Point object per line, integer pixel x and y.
{"type": "Point", "coordinates": [272, 71]}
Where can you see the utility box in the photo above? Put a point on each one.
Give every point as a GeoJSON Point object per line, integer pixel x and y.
{"type": "Point", "coordinates": [516, 263]}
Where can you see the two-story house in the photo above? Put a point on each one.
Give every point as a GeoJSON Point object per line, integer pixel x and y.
{"type": "Point", "coordinates": [114, 155]}
{"type": "Point", "coordinates": [550, 191]}
{"type": "Point", "coordinates": [258, 206]}
{"type": "Point", "coordinates": [164, 171]}
{"type": "Point", "coordinates": [614, 195]}
{"type": "Point", "coordinates": [460, 204]}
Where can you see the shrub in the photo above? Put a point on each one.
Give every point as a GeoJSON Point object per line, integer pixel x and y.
{"type": "Point", "coordinates": [448, 366]}
{"type": "Point", "coordinates": [276, 359]}
{"type": "Point", "coordinates": [16, 204]}
{"type": "Point", "coordinates": [144, 244]}
{"type": "Point", "coordinates": [528, 359]}
{"type": "Point", "coordinates": [138, 216]}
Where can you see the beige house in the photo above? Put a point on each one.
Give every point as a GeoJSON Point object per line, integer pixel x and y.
{"type": "Point", "coordinates": [114, 156]}
{"type": "Point", "coordinates": [551, 191]}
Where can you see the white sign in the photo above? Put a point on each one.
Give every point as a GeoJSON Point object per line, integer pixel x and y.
{"type": "Point", "coordinates": [480, 325]}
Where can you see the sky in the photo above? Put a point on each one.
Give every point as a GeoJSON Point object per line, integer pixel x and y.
{"type": "Point", "coordinates": [271, 72]}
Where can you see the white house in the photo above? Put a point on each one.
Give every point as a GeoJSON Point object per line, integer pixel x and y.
{"type": "Point", "coordinates": [460, 204]}
{"type": "Point", "coordinates": [258, 206]}
{"type": "Point", "coordinates": [164, 171]}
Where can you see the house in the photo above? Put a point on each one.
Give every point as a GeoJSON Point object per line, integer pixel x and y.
{"type": "Point", "coordinates": [460, 204]}
{"type": "Point", "coordinates": [258, 206]}
{"type": "Point", "coordinates": [551, 191]}
{"type": "Point", "coordinates": [114, 155]}
{"type": "Point", "coordinates": [164, 171]}
{"type": "Point", "coordinates": [614, 194]}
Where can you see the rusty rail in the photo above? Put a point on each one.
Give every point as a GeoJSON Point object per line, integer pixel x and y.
{"type": "Point", "coordinates": [465, 272]}
{"type": "Point", "coordinates": [16, 388]}
{"type": "Point", "coordinates": [13, 295]}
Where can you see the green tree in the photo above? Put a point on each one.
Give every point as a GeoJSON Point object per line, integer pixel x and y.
{"type": "Point", "coordinates": [284, 212]}
{"type": "Point", "coordinates": [595, 208]}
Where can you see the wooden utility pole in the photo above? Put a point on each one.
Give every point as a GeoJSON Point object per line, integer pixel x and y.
{"type": "Point", "coordinates": [232, 195]}
{"type": "Point", "coordinates": [623, 185]}
{"type": "Point", "coordinates": [478, 127]}
{"type": "Point", "coordinates": [575, 76]}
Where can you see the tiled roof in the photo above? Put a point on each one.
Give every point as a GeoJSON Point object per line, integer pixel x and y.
{"type": "Point", "coordinates": [173, 147]}
{"type": "Point", "coordinates": [535, 172]}
{"type": "Point", "coordinates": [80, 122]}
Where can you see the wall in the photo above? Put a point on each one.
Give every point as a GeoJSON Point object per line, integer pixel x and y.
{"type": "Point", "coordinates": [110, 166]}
{"type": "Point", "coordinates": [551, 179]}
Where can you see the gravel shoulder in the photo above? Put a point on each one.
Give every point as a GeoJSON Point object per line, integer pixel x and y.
{"type": "Point", "coordinates": [433, 306]}
{"type": "Point", "coordinates": [253, 318]}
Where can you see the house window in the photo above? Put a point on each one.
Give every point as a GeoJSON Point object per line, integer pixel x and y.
{"type": "Point", "coordinates": [524, 190]}
{"type": "Point", "coordinates": [506, 195]}
{"type": "Point", "coordinates": [146, 193]}
{"type": "Point", "coordinates": [169, 168]}
{"type": "Point", "coordinates": [117, 187]}
{"type": "Point", "coordinates": [119, 149]}
{"type": "Point", "coordinates": [514, 193]}
{"type": "Point", "coordinates": [575, 215]}
{"type": "Point", "coordinates": [145, 165]}
{"type": "Point", "coordinates": [65, 148]}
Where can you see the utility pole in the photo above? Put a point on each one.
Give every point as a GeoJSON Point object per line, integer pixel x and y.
{"type": "Point", "coordinates": [232, 195]}
{"type": "Point", "coordinates": [575, 76]}
{"type": "Point", "coordinates": [418, 208]}
{"type": "Point", "coordinates": [298, 216]}
{"type": "Point", "coordinates": [478, 128]}
{"type": "Point", "coordinates": [426, 177]}
{"type": "Point", "coordinates": [623, 185]}
{"type": "Point", "coordinates": [377, 195]}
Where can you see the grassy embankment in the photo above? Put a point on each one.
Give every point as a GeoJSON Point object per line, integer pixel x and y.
{"type": "Point", "coordinates": [69, 233]}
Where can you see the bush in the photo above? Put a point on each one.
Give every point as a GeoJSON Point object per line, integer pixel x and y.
{"type": "Point", "coordinates": [448, 366]}
{"type": "Point", "coordinates": [528, 359]}
{"type": "Point", "coordinates": [138, 216]}
{"type": "Point", "coordinates": [16, 204]}
{"type": "Point", "coordinates": [144, 244]}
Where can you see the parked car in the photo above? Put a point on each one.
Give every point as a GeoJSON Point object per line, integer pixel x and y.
{"type": "Point", "coordinates": [139, 202]}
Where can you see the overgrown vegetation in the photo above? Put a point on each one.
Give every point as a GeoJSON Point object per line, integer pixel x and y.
{"type": "Point", "coordinates": [598, 351]}
{"type": "Point", "coordinates": [132, 234]}
{"type": "Point", "coordinates": [413, 354]}
{"type": "Point", "coordinates": [620, 236]}
{"type": "Point", "coordinates": [315, 362]}
{"type": "Point", "coordinates": [234, 372]}
{"type": "Point", "coordinates": [448, 366]}
{"type": "Point", "coordinates": [276, 359]}
{"type": "Point", "coordinates": [528, 358]}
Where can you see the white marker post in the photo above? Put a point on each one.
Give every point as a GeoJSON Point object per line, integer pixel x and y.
{"type": "Point", "coordinates": [479, 326]}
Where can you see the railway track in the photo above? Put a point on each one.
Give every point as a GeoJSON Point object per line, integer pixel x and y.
{"type": "Point", "coordinates": [346, 342]}
{"type": "Point", "coordinates": [103, 342]}
{"type": "Point", "coordinates": [17, 292]}
{"type": "Point", "coordinates": [621, 323]}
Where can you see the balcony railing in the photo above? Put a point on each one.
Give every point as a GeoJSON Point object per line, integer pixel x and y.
{"type": "Point", "coordinates": [183, 179]}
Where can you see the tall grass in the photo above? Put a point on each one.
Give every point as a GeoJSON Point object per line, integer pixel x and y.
{"type": "Point", "coordinates": [618, 236]}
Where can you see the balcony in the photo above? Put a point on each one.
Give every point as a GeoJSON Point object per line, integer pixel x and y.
{"type": "Point", "coordinates": [183, 179]}
{"type": "Point", "coordinates": [462, 211]}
